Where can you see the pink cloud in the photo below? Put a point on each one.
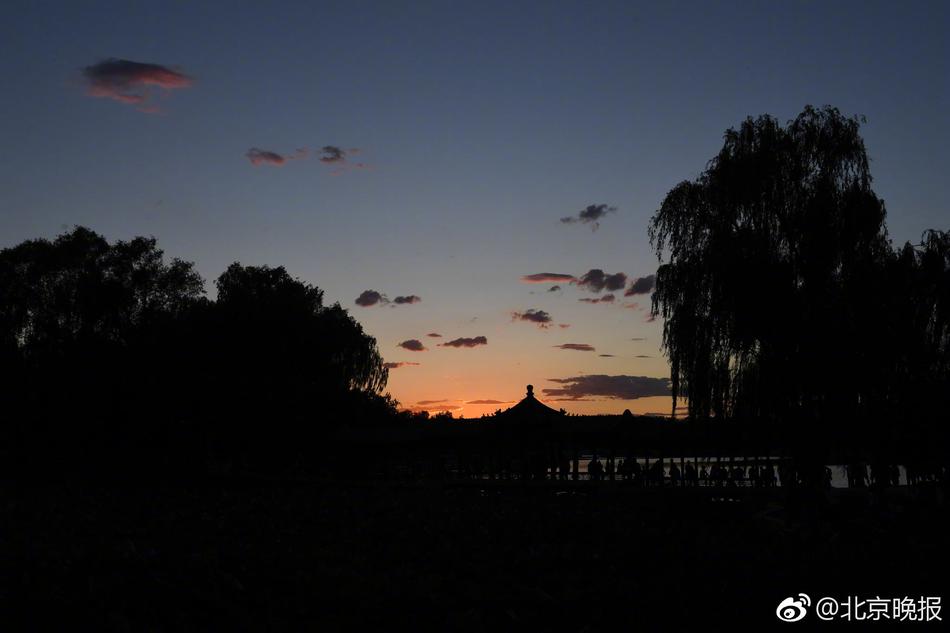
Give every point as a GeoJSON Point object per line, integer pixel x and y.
{"type": "Point", "coordinates": [129, 82]}
{"type": "Point", "coordinates": [259, 156]}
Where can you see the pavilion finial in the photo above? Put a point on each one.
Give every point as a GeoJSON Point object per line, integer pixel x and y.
{"type": "Point", "coordinates": [530, 391]}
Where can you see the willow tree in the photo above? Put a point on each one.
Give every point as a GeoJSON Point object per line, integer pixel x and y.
{"type": "Point", "coordinates": [767, 259]}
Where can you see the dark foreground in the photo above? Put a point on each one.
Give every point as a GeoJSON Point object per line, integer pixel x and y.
{"type": "Point", "coordinates": [483, 557]}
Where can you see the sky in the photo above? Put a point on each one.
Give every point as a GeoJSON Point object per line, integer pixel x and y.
{"type": "Point", "coordinates": [434, 150]}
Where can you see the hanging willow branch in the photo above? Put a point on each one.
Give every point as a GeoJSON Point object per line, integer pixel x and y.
{"type": "Point", "coordinates": [759, 251]}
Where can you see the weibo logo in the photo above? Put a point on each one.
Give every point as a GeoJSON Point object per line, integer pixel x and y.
{"type": "Point", "coordinates": [793, 609]}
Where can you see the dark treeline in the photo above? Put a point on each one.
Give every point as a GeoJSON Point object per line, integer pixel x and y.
{"type": "Point", "coordinates": [112, 360]}
{"type": "Point", "coordinates": [784, 299]}
{"type": "Point", "coordinates": [786, 307]}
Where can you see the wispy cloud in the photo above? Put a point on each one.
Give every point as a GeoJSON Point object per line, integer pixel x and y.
{"type": "Point", "coordinates": [546, 278]}
{"type": "Point", "coordinates": [399, 364]}
{"type": "Point", "coordinates": [466, 342]}
{"type": "Point", "coordinates": [488, 402]}
{"type": "Point", "coordinates": [436, 408]}
{"type": "Point", "coordinates": [578, 347]}
{"type": "Point", "coordinates": [259, 156]}
{"type": "Point", "coordinates": [610, 387]}
{"type": "Point", "coordinates": [413, 345]}
{"type": "Point", "coordinates": [608, 298]}
{"type": "Point", "coordinates": [591, 215]}
{"type": "Point", "coordinates": [338, 158]}
{"type": "Point", "coordinates": [539, 317]}
{"type": "Point", "coordinates": [434, 335]}
{"type": "Point", "coordinates": [130, 82]}
{"type": "Point", "coordinates": [331, 154]}
{"type": "Point", "coordinates": [407, 300]}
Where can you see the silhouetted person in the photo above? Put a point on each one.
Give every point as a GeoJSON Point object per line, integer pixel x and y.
{"type": "Point", "coordinates": [690, 473]}
{"type": "Point", "coordinates": [675, 474]}
{"type": "Point", "coordinates": [636, 472]}
{"type": "Point", "coordinates": [595, 469]}
{"type": "Point", "coordinates": [656, 473]}
{"type": "Point", "coordinates": [857, 475]}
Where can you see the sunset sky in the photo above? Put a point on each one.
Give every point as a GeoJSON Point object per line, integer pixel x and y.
{"type": "Point", "coordinates": [427, 158]}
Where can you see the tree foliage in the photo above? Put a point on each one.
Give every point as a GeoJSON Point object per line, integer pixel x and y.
{"type": "Point", "coordinates": [106, 347]}
{"type": "Point", "coordinates": [773, 263]}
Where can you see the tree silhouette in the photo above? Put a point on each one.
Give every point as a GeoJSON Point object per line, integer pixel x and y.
{"type": "Point", "coordinates": [277, 347]}
{"type": "Point", "coordinates": [770, 255]}
{"type": "Point", "coordinates": [112, 359]}
{"type": "Point", "coordinates": [80, 289]}
{"type": "Point", "coordinates": [916, 349]}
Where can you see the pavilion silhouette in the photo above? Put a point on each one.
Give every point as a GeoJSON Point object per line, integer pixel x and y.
{"type": "Point", "coordinates": [530, 410]}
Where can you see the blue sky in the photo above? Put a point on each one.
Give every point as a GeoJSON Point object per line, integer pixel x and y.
{"type": "Point", "coordinates": [482, 124]}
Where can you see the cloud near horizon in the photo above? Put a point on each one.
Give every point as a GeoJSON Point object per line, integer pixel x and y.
{"type": "Point", "coordinates": [539, 317]}
{"type": "Point", "coordinates": [596, 280]}
{"type": "Point", "coordinates": [434, 335]}
{"type": "Point", "coordinates": [129, 82]}
{"type": "Point", "coordinates": [608, 298]}
{"type": "Point", "coordinates": [609, 387]}
{"type": "Point", "coordinates": [591, 215]}
{"type": "Point", "coordinates": [465, 342]}
{"type": "Point", "coordinates": [399, 364]}
{"type": "Point", "coordinates": [489, 402]}
{"type": "Point", "coordinates": [641, 286]}
{"type": "Point", "coordinates": [413, 345]}
{"type": "Point", "coordinates": [545, 278]}
{"type": "Point", "coordinates": [369, 298]}
{"type": "Point", "coordinates": [579, 347]}
{"type": "Point", "coordinates": [429, 409]}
